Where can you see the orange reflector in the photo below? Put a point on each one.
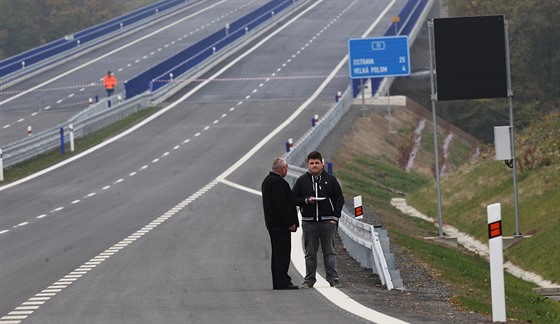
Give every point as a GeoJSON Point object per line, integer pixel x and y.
{"type": "Point", "coordinates": [495, 229]}
{"type": "Point", "coordinates": [358, 211]}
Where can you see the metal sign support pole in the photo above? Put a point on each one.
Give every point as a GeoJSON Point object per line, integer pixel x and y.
{"type": "Point", "coordinates": [436, 151]}
{"type": "Point", "coordinates": [389, 105]}
{"type": "Point", "coordinates": [510, 103]}
{"type": "Point", "coordinates": [363, 97]}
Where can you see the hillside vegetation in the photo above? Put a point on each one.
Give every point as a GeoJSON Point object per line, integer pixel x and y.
{"type": "Point", "coordinates": [466, 193]}
{"type": "Point", "coordinates": [369, 163]}
{"type": "Point", "coordinates": [534, 52]}
{"type": "Point", "coordinates": [26, 24]}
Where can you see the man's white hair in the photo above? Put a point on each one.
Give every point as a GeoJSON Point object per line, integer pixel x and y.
{"type": "Point", "coordinates": [278, 164]}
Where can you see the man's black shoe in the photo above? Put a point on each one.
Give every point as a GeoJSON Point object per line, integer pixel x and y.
{"type": "Point", "coordinates": [289, 287]}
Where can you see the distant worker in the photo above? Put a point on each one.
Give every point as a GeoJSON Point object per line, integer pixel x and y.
{"type": "Point", "coordinates": [110, 82]}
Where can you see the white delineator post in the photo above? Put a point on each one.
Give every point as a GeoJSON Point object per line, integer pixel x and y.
{"type": "Point", "coordinates": [1, 166]}
{"type": "Point", "coordinates": [496, 262]}
{"type": "Point", "coordinates": [71, 128]}
{"type": "Point", "coordinates": [358, 210]}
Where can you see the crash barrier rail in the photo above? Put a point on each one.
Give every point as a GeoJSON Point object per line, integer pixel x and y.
{"type": "Point", "coordinates": [367, 244]}
{"type": "Point", "coordinates": [85, 123]}
{"type": "Point", "coordinates": [100, 115]}
{"type": "Point", "coordinates": [174, 67]}
{"type": "Point", "coordinates": [42, 53]}
{"type": "Point", "coordinates": [409, 16]}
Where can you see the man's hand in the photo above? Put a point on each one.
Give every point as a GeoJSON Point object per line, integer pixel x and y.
{"type": "Point", "coordinates": [311, 200]}
{"type": "Point", "coordinates": [293, 228]}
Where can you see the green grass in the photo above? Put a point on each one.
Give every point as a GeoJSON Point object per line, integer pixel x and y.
{"type": "Point", "coordinates": [466, 194]}
{"type": "Point", "coordinates": [470, 276]}
{"type": "Point", "coordinates": [46, 160]}
{"type": "Point", "coordinates": [466, 191]}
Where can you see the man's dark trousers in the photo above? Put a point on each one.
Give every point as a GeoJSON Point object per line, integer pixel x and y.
{"type": "Point", "coordinates": [281, 242]}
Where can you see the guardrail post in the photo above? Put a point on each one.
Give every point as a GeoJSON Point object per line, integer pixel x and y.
{"type": "Point", "coordinates": [329, 167]}
{"type": "Point", "coordinates": [287, 147]}
{"type": "Point", "coordinates": [61, 140]}
{"type": "Point", "coordinates": [109, 103]}
{"type": "Point", "coordinates": [71, 128]}
{"type": "Point", "coordinates": [312, 122]}
{"type": "Point", "coordinates": [96, 98]}
{"type": "Point", "coordinates": [1, 166]}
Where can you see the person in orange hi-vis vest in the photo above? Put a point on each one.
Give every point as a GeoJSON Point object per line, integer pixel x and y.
{"type": "Point", "coordinates": [110, 82]}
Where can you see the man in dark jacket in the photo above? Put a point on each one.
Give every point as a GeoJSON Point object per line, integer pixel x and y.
{"type": "Point", "coordinates": [319, 196]}
{"type": "Point", "coordinates": [280, 214]}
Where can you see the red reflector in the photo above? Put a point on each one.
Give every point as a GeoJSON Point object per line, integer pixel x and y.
{"type": "Point", "coordinates": [495, 229]}
{"type": "Point", "coordinates": [358, 211]}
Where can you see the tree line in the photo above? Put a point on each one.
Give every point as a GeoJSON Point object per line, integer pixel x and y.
{"type": "Point", "coordinates": [25, 24]}
{"type": "Point", "coordinates": [534, 47]}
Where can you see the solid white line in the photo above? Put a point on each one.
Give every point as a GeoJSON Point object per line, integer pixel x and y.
{"type": "Point", "coordinates": [238, 186]}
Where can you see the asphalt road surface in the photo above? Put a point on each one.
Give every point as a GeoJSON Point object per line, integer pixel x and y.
{"type": "Point", "coordinates": [163, 223]}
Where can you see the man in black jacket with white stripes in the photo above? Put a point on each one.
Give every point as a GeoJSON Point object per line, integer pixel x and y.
{"type": "Point", "coordinates": [319, 196]}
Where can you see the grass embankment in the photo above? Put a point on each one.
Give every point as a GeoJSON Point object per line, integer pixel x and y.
{"type": "Point", "coordinates": [465, 194]}
{"type": "Point", "coordinates": [46, 160]}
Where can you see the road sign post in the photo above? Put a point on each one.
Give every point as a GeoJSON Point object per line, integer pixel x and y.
{"type": "Point", "coordinates": [377, 58]}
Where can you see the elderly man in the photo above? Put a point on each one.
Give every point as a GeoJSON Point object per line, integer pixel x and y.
{"type": "Point", "coordinates": [281, 220]}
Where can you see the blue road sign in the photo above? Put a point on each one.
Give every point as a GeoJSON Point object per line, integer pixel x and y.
{"type": "Point", "coordinates": [378, 57]}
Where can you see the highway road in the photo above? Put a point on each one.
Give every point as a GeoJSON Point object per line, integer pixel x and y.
{"type": "Point", "coordinates": [46, 100]}
{"type": "Point", "coordinates": [163, 223]}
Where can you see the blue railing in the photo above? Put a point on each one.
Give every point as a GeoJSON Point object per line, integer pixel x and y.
{"type": "Point", "coordinates": [159, 75]}
{"type": "Point", "coordinates": [62, 45]}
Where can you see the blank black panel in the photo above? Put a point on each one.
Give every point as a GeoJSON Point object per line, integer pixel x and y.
{"type": "Point", "coordinates": [470, 57]}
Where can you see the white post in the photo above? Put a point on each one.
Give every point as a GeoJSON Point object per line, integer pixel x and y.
{"type": "Point", "coordinates": [496, 263]}
{"type": "Point", "coordinates": [358, 210]}
{"type": "Point", "coordinates": [71, 138]}
{"type": "Point", "coordinates": [1, 166]}
{"type": "Point", "coordinates": [29, 131]}
{"type": "Point", "coordinates": [291, 143]}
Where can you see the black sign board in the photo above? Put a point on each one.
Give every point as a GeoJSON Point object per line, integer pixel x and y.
{"type": "Point", "coordinates": [470, 54]}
